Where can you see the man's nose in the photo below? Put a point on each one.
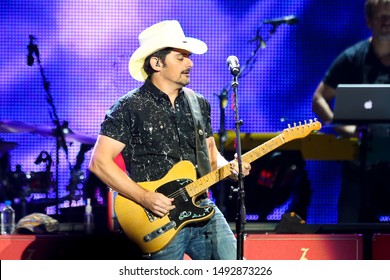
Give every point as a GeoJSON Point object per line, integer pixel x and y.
{"type": "Point", "coordinates": [189, 63]}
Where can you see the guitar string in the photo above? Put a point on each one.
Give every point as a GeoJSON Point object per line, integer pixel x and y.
{"type": "Point", "coordinates": [180, 194]}
{"type": "Point", "coordinates": [257, 152]}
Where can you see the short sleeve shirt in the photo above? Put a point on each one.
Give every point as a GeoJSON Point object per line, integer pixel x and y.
{"type": "Point", "coordinates": [156, 134]}
{"type": "Point", "coordinates": [358, 64]}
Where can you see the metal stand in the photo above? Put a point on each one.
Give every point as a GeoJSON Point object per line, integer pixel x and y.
{"type": "Point", "coordinates": [58, 132]}
{"type": "Point", "coordinates": [241, 213]}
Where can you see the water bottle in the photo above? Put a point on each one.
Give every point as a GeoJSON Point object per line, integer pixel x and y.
{"type": "Point", "coordinates": [89, 224]}
{"type": "Point", "coordinates": [7, 219]}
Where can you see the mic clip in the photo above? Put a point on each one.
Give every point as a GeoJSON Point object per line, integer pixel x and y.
{"type": "Point", "coordinates": [258, 39]}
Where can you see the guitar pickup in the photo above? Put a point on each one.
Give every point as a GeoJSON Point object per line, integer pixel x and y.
{"type": "Point", "coordinates": [159, 231]}
{"type": "Point", "coordinates": [183, 194]}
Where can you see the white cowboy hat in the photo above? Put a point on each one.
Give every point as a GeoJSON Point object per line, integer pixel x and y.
{"type": "Point", "coordinates": [165, 34]}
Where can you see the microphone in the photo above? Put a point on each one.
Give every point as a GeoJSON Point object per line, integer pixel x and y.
{"type": "Point", "coordinates": [234, 66]}
{"type": "Point", "coordinates": [290, 20]}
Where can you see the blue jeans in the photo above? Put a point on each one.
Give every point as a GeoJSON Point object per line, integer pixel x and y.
{"type": "Point", "coordinates": [209, 240]}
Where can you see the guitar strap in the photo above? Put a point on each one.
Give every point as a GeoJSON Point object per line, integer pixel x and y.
{"type": "Point", "coordinates": [202, 154]}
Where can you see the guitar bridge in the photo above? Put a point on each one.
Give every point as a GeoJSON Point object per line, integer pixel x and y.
{"type": "Point", "coordinates": [159, 231]}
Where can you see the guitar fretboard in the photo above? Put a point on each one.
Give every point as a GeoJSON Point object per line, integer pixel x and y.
{"type": "Point", "coordinates": [219, 174]}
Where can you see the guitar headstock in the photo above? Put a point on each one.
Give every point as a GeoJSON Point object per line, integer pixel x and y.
{"type": "Point", "coordinates": [301, 130]}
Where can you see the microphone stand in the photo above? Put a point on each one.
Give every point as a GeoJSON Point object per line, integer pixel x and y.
{"type": "Point", "coordinates": [241, 213]}
{"type": "Point", "coordinates": [58, 131]}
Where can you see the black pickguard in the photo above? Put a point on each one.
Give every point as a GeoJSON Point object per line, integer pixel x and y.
{"type": "Point", "coordinates": [186, 211]}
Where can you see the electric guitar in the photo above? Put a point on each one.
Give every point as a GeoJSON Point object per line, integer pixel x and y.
{"type": "Point", "coordinates": [152, 233]}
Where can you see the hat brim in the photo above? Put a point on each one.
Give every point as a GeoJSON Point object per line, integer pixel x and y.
{"type": "Point", "coordinates": [137, 59]}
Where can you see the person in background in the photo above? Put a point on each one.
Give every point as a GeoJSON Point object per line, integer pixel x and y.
{"type": "Point", "coordinates": [366, 62]}
{"type": "Point", "coordinates": [152, 127]}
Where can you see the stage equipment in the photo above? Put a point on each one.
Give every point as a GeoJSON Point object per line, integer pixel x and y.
{"type": "Point", "coordinates": [315, 146]}
{"type": "Point", "coordinates": [237, 73]}
{"type": "Point", "coordinates": [61, 132]}
{"type": "Point", "coordinates": [367, 108]}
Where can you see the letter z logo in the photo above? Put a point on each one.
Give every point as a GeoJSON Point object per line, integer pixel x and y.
{"type": "Point", "coordinates": [304, 253]}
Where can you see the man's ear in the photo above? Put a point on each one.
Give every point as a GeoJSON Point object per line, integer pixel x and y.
{"type": "Point", "coordinates": [155, 63]}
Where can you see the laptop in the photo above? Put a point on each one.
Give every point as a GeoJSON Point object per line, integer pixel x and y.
{"type": "Point", "coordinates": [362, 104]}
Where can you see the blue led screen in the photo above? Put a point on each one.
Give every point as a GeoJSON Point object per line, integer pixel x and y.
{"type": "Point", "coordinates": [85, 46]}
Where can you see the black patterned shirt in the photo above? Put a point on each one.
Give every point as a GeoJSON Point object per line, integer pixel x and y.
{"type": "Point", "coordinates": [156, 135]}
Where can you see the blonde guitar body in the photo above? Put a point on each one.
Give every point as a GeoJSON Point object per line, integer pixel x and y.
{"type": "Point", "coordinates": [143, 225]}
{"type": "Point", "coordinates": [151, 233]}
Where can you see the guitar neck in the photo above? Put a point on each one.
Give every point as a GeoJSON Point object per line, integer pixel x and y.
{"type": "Point", "coordinates": [264, 148]}
{"type": "Point", "coordinates": [217, 175]}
